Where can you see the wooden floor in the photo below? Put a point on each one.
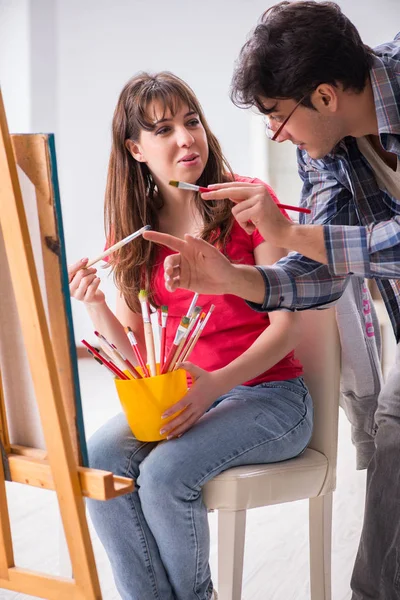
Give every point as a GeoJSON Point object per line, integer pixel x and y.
{"type": "Point", "coordinates": [276, 558]}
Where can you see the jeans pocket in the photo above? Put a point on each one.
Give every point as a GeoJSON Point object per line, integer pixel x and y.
{"type": "Point", "coordinates": [289, 401]}
{"type": "Point", "coordinates": [293, 392]}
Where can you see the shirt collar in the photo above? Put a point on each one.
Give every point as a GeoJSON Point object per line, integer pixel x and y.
{"type": "Point", "coordinates": [386, 90]}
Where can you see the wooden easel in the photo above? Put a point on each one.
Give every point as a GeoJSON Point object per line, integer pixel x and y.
{"type": "Point", "coordinates": [50, 349]}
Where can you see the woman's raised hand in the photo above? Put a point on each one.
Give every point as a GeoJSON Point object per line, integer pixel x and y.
{"type": "Point", "coordinates": [84, 283]}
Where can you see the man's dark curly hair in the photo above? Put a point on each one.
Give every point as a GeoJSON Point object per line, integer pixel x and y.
{"type": "Point", "coordinates": [295, 47]}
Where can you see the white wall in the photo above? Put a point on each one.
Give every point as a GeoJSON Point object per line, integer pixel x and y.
{"type": "Point", "coordinates": [14, 62]}
{"type": "Point", "coordinates": [64, 62]}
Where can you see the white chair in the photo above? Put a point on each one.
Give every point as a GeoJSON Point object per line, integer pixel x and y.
{"type": "Point", "coordinates": [311, 475]}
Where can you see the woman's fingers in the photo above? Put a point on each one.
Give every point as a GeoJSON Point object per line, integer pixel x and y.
{"type": "Point", "coordinates": [180, 425]}
{"type": "Point", "coordinates": [172, 410]}
{"type": "Point", "coordinates": [77, 279]}
{"type": "Point", "coordinates": [80, 284]}
{"type": "Point", "coordinates": [84, 286]}
{"type": "Point", "coordinates": [73, 269]}
{"type": "Point", "coordinates": [194, 370]}
{"type": "Point", "coordinates": [91, 290]}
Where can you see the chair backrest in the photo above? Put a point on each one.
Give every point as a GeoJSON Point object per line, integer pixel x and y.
{"type": "Point", "coordinates": [319, 352]}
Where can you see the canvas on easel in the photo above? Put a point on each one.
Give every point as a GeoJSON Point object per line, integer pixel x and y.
{"type": "Point", "coordinates": [41, 426]}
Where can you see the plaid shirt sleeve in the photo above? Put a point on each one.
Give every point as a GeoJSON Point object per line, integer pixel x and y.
{"type": "Point", "coordinates": [297, 282]}
{"type": "Point", "coordinates": [372, 251]}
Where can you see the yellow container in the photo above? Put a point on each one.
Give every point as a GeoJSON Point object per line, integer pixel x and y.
{"type": "Point", "coordinates": [145, 400]}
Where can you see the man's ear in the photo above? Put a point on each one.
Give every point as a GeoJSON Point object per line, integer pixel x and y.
{"type": "Point", "coordinates": [325, 98]}
{"type": "Point", "coordinates": [135, 150]}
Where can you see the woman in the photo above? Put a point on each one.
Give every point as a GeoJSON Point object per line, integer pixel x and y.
{"type": "Point", "coordinates": [248, 403]}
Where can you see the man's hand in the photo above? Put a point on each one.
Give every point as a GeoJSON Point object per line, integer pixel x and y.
{"type": "Point", "coordinates": [254, 209]}
{"type": "Point", "coordinates": [201, 268]}
{"type": "Point", "coordinates": [198, 266]}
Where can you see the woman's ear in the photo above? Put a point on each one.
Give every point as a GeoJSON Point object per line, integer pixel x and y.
{"type": "Point", "coordinates": [135, 150]}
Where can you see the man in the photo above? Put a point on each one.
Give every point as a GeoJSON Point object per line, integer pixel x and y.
{"type": "Point", "coordinates": [306, 68]}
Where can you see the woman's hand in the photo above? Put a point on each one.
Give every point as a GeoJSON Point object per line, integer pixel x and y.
{"type": "Point", "coordinates": [204, 391]}
{"type": "Point", "coordinates": [84, 284]}
{"type": "Point", "coordinates": [254, 208]}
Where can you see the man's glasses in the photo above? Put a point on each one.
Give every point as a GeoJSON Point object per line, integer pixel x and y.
{"type": "Point", "coordinates": [271, 134]}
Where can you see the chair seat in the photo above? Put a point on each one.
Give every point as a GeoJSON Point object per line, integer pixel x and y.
{"type": "Point", "coordinates": [251, 486]}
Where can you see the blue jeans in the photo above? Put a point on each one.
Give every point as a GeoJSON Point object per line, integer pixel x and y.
{"type": "Point", "coordinates": [157, 538]}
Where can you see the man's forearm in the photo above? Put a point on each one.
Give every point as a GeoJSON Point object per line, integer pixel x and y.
{"type": "Point", "coordinates": [308, 240]}
{"type": "Point", "coordinates": [247, 283]}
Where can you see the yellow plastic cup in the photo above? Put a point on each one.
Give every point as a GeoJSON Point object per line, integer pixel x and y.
{"type": "Point", "coordinates": [145, 400]}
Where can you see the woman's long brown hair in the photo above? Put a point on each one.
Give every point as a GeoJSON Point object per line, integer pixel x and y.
{"type": "Point", "coordinates": [132, 199]}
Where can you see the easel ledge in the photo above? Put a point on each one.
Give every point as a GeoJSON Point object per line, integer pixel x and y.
{"type": "Point", "coordinates": [30, 466]}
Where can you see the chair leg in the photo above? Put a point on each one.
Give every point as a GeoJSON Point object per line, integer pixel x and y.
{"type": "Point", "coordinates": [320, 513]}
{"type": "Point", "coordinates": [231, 537]}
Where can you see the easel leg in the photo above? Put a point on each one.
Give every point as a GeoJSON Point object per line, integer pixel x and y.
{"type": "Point", "coordinates": [6, 549]}
{"type": "Point", "coordinates": [64, 560]}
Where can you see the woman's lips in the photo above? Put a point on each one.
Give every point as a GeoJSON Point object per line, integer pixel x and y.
{"type": "Point", "coordinates": [190, 162]}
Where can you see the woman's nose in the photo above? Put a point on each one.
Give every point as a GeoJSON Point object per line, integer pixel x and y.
{"type": "Point", "coordinates": [185, 138]}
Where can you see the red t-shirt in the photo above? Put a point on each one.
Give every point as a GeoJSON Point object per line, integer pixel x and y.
{"type": "Point", "coordinates": [233, 326]}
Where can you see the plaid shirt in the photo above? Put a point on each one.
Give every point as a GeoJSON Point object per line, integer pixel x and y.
{"type": "Point", "coordinates": [363, 235]}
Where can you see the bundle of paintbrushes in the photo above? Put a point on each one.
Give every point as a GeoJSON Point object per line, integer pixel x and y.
{"type": "Point", "coordinates": [114, 360]}
{"type": "Point", "coordinates": [187, 334]}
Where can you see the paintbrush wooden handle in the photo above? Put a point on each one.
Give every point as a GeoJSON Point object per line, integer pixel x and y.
{"type": "Point", "coordinates": [150, 349]}
{"type": "Point", "coordinates": [190, 347]}
{"type": "Point", "coordinates": [176, 355]}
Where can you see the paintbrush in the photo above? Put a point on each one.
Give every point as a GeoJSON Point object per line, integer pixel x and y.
{"type": "Point", "coordinates": [117, 246]}
{"type": "Point", "coordinates": [188, 186]}
{"type": "Point", "coordinates": [193, 323]}
{"type": "Point", "coordinates": [197, 188]}
{"type": "Point", "coordinates": [135, 348]}
{"type": "Point", "coordinates": [148, 332]}
{"type": "Point", "coordinates": [119, 359]}
{"type": "Point", "coordinates": [202, 322]}
{"type": "Point", "coordinates": [164, 318]}
{"type": "Point", "coordinates": [179, 340]}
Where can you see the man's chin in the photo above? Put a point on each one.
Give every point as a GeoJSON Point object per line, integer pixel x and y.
{"type": "Point", "coordinates": [316, 153]}
{"type": "Point", "coordinates": [312, 152]}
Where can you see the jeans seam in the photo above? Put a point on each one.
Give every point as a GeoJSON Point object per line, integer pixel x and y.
{"type": "Point", "coordinates": [301, 393]}
{"type": "Point", "coordinates": [141, 534]}
{"type": "Point", "coordinates": [197, 549]}
{"type": "Point", "coordinates": [252, 448]}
